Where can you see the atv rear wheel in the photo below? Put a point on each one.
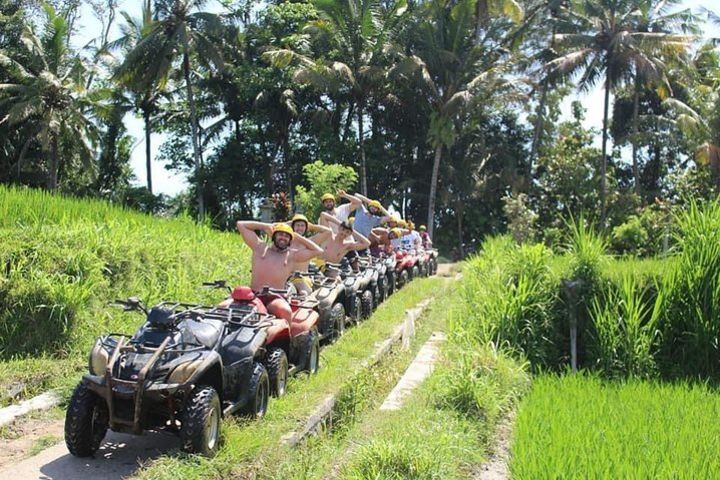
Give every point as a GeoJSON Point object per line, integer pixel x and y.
{"type": "Point", "coordinates": [337, 315]}
{"type": "Point", "coordinates": [258, 392]}
{"type": "Point", "coordinates": [86, 422]}
{"type": "Point", "coordinates": [312, 352]}
{"type": "Point", "coordinates": [415, 272]}
{"type": "Point", "coordinates": [366, 304]}
{"type": "Point", "coordinates": [404, 278]}
{"type": "Point", "coordinates": [276, 364]}
{"type": "Point", "coordinates": [200, 430]}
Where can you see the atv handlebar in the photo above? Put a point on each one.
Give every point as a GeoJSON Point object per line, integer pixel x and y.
{"type": "Point", "coordinates": [131, 304]}
{"type": "Point", "coordinates": [218, 284]}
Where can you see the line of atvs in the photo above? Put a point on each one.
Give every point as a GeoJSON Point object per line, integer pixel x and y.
{"type": "Point", "coordinates": [189, 365]}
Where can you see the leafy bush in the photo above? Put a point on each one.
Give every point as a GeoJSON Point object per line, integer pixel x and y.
{"type": "Point", "coordinates": [322, 178]}
{"type": "Point", "coordinates": [630, 238]}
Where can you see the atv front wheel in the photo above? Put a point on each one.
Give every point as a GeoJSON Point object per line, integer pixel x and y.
{"type": "Point", "coordinates": [415, 272]}
{"type": "Point", "coordinates": [276, 364]}
{"type": "Point", "coordinates": [391, 284]}
{"type": "Point", "coordinates": [337, 315]}
{"type": "Point", "coordinates": [200, 430]}
{"type": "Point", "coordinates": [312, 352]}
{"type": "Point", "coordinates": [366, 304]}
{"type": "Point", "coordinates": [258, 392]}
{"type": "Point", "coordinates": [86, 422]}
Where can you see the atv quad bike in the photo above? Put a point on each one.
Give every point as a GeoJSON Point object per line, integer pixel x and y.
{"type": "Point", "coordinates": [405, 267]}
{"type": "Point", "coordinates": [367, 285]}
{"type": "Point", "coordinates": [329, 295]}
{"type": "Point", "coordinates": [289, 347]}
{"type": "Point", "coordinates": [390, 281]}
{"type": "Point", "coordinates": [351, 284]}
{"type": "Point", "coordinates": [184, 369]}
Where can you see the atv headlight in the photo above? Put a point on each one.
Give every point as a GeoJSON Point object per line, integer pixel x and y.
{"type": "Point", "coordinates": [184, 371]}
{"type": "Point", "coordinates": [98, 359]}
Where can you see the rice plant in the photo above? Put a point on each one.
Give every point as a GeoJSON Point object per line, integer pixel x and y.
{"type": "Point", "coordinates": [626, 324]}
{"type": "Point", "coordinates": [583, 427]}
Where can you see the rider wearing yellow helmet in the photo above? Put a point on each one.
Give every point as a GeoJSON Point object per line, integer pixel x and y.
{"type": "Point", "coordinates": [341, 212]}
{"type": "Point", "coordinates": [302, 227]}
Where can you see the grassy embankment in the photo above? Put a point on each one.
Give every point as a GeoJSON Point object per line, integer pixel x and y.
{"type": "Point", "coordinates": [64, 259]}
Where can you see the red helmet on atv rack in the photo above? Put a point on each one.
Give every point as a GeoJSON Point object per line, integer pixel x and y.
{"type": "Point", "coordinates": [243, 294]}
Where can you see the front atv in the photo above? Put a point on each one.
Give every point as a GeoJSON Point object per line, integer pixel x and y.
{"type": "Point", "coordinates": [184, 369]}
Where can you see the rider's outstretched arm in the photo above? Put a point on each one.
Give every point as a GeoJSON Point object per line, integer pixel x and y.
{"type": "Point", "coordinates": [355, 202]}
{"type": "Point", "coordinates": [322, 233]}
{"type": "Point", "coordinates": [384, 211]}
{"type": "Point", "coordinates": [361, 242]}
{"type": "Point", "coordinates": [308, 251]}
{"type": "Point", "coordinates": [247, 230]}
{"type": "Point", "coordinates": [329, 218]}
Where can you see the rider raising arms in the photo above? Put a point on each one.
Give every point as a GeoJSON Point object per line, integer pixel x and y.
{"type": "Point", "coordinates": [342, 213]}
{"type": "Point", "coordinates": [302, 227]}
{"type": "Point", "coordinates": [342, 242]}
{"type": "Point", "coordinates": [370, 215]}
{"type": "Point", "coordinates": [273, 264]}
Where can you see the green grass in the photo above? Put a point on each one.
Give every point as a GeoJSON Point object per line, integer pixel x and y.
{"type": "Point", "coordinates": [64, 259]}
{"type": "Point", "coordinates": [253, 447]}
{"type": "Point", "coordinates": [583, 427]}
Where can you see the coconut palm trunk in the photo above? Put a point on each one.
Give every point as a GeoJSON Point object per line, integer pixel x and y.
{"type": "Point", "coordinates": [635, 129]}
{"type": "Point", "coordinates": [433, 190]}
{"type": "Point", "coordinates": [148, 160]}
{"type": "Point", "coordinates": [603, 164]}
{"type": "Point", "coordinates": [361, 141]}
{"type": "Point", "coordinates": [54, 164]}
{"type": "Point", "coordinates": [538, 126]}
{"type": "Point", "coordinates": [194, 130]}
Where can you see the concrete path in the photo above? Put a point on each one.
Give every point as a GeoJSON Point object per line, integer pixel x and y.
{"type": "Point", "coordinates": [119, 457]}
{"type": "Point", "coordinates": [419, 370]}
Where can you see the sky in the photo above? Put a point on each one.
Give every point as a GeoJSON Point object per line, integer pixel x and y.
{"type": "Point", "coordinates": [171, 183]}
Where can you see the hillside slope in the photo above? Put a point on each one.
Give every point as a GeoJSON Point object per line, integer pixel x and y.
{"type": "Point", "coordinates": [63, 260]}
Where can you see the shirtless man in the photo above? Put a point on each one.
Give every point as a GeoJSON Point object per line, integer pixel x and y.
{"type": "Point", "coordinates": [389, 238]}
{"type": "Point", "coordinates": [302, 227]}
{"type": "Point", "coordinates": [344, 241]}
{"type": "Point", "coordinates": [273, 264]}
{"type": "Point", "coordinates": [342, 213]}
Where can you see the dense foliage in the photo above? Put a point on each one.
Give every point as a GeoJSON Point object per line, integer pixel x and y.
{"type": "Point", "coordinates": [640, 318]}
{"type": "Point", "coordinates": [443, 108]}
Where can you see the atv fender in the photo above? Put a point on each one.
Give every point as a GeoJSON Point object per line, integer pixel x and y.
{"type": "Point", "coordinates": [304, 319]}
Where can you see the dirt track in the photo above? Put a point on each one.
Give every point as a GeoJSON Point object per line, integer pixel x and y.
{"type": "Point", "coordinates": [119, 457]}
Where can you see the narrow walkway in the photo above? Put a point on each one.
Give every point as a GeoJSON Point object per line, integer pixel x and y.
{"type": "Point", "coordinates": [419, 370]}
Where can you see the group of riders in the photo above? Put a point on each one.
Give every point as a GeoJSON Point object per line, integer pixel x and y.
{"type": "Point", "coordinates": [335, 236]}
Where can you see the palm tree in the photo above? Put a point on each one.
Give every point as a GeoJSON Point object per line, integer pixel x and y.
{"type": "Point", "coordinates": [602, 39]}
{"type": "Point", "coordinates": [145, 97]}
{"type": "Point", "coordinates": [358, 33]}
{"type": "Point", "coordinates": [654, 16]}
{"type": "Point", "coordinates": [48, 96]}
{"type": "Point", "coordinates": [453, 65]}
{"type": "Point", "coordinates": [178, 31]}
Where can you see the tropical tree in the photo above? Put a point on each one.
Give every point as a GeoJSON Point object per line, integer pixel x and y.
{"type": "Point", "coordinates": [145, 96]}
{"type": "Point", "coordinates": [453, 65]}
{"type": "Point", "coordinates": [602, 38]}
{"type": "Point", "coordinates": [47, 96]}
{"type": "Point", "coordinates": [181, 30]}
{"type": "Point", "coordinates": [358, 32]}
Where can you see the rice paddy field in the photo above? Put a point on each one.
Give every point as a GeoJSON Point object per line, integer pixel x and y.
{"type": "Point", "coordinates": [585, 427]}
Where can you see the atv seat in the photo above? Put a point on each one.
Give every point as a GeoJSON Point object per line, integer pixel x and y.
{"type": "Point", "coordinates": [206, 332]}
